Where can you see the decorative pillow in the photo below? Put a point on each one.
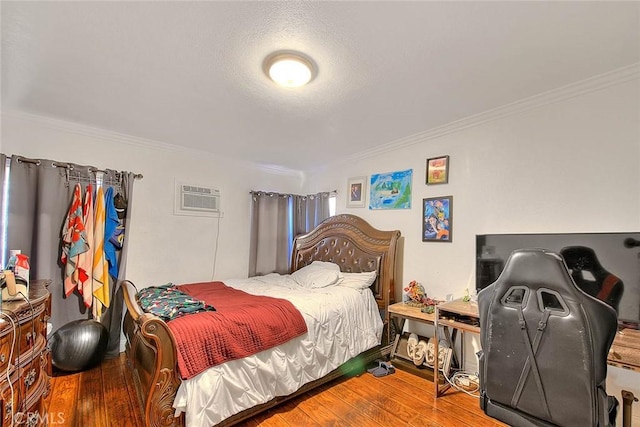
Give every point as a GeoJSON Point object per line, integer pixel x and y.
{"type": "Point", "coordinates": [358, 280]}
{"type": "Point", "coordinates": [318, 274]}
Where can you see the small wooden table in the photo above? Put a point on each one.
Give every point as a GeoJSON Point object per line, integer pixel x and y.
{"type": "Point", "coordinates": [399, 313]}
{"type": "Point", "coordinates": [454, 316]}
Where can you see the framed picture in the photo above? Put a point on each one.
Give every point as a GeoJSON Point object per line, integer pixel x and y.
{"type": "Point", "coordinates": [391, 190]}
{"type": "Point", "coordinates": [438, 170]}
{"type": "Point", "coordinates": [357, 188]}
{"type": "Point", "coordinates": [437, 219]}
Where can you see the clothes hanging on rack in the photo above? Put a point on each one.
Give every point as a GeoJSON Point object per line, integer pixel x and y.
{"type": "Point", "coordinates": [110, 226]}
{"type": "Point", "coordinates": [85, 263]}
{"type": "Point", "coordinates": [100, 265]}
{"type": "Point", "coordinates": [92, 235]}
{"type": "Point", "coordinates": [74, 241]}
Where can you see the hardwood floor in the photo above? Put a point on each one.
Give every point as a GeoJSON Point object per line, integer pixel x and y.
{"type": "Point", "coordinates": [104, 396]}
{"type": "Point", "coordinates": [100, 397]}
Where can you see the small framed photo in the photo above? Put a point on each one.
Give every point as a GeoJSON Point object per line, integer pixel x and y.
{"type": "Point", "coordinates": [437, 219]}
{"type": "Point", "coordinates": [357, 191]}
{"type": "Point", "coordinates": [438, 170]}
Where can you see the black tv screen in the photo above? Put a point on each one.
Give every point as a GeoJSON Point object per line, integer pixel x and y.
{"type": "Point", "coordinates": [605, 265]}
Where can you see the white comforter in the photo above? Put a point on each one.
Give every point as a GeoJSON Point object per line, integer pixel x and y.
{"type": "Point", "coordinates": [341, 322]}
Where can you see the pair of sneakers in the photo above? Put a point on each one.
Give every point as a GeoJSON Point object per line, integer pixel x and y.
{"type": "Point", "coordinates": [442, 357]}
{"type": "Point", "coordinates": [417, 349]}
{"type": "Point", "coordinates": [424, 352]}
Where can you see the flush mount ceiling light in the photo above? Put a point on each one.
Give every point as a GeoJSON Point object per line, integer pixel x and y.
{"type": "Point", "coordinates": [289, 69]}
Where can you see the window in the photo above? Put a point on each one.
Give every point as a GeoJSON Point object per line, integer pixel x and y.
{"type": "Point", "coordinates": [4, 213]}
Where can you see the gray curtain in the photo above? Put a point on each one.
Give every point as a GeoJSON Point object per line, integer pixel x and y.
{"type": "Point", "coordinates": [310, 211]}
{"type": "Point", "coordinates": [3, 162]}
{"type": "Point", "coordinates": [39, 196]}
{"type": "Point", "coordinates": [40, 193]}
{"type": "Point", "coordinates": [270, 231]}
{"type": "Point", "coordinates": [275, 220]}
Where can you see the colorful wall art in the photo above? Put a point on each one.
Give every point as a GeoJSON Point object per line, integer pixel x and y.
{"type": "Point", "coordinates": [391, 190]}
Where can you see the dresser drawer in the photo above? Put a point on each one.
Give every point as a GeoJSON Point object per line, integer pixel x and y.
{"type": "Point", "coordinates": [29, 331]}
{"type": "Point", "coordinates": [5, 350]}
{"type": "Point", "coordinates": [31, 413]}
{"type": "Point", "coordinates": [24, 358]}
{"type": "Point", "coordinates": [10, 399]}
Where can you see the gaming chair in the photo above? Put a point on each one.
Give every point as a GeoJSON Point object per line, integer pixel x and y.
{"type": "Point", "coordinates": [544, 346]}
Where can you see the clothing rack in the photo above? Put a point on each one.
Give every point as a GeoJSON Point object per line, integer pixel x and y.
{"type": "Point", "coordinates": [69, 167]}
{"type": "Point", "coordinates": [109, 181]}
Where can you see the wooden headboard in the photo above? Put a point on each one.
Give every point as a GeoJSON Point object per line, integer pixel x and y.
{"type": "Point", "coordinates": [353, 244]}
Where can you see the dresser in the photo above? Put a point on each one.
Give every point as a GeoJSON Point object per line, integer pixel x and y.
{"type": "Point", "coordinates": [25, 364]}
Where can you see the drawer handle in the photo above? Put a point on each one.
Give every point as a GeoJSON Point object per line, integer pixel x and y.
{"type": "Point", "coordinates": [32, 419]}
{"type": "Point", "coordinates": [3, 358]}
{"type": "Point", "coordinates": [30, 378]}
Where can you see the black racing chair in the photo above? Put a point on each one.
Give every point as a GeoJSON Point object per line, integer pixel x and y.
{"type": "Point", "coordinates": [544, 346]}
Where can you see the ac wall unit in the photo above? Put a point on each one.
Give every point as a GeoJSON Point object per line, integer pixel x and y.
{"type": "Point", "coordinates": [197, 200]}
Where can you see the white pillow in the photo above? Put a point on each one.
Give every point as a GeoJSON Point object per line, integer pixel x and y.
{"type": "Point", "coordinates": [318, 274]}
{"type": "Point", "coordinates": [358, 280]}
{"type": "Point", "coordinates": [328, 265]}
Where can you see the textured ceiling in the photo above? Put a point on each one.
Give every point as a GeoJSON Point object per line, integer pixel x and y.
{"type": "Point", "coordinates": [189, 73]}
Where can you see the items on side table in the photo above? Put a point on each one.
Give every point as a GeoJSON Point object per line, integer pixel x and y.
{"type": "Point", "coordinates": [14, 280]}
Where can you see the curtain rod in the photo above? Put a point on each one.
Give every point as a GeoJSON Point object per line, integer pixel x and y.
{"type": "Point", "coordinates": [272, 193]}
{"type": "Point", "coordinates": [67, 166]}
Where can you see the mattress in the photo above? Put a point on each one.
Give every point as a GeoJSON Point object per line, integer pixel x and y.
{"type": "Point", "coordinates": [342, 322]}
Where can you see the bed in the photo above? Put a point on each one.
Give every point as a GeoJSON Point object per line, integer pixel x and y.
{"type": "Point", "coordinates": [345, 240]}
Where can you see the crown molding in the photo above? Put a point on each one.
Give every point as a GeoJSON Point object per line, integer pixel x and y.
{"type": "Point", "coordinates": [91, 132]}
{"type": "Point", "coordinates": [120, 138]}
{"type": "Point", "coordinates": [572, 90]}
{"type": "Point", "coordinates": [592, 84]}
{"type": "Point", "coordinates": [279, 170]}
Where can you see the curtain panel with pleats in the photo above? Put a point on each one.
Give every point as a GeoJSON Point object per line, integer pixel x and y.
{"type": "Point", "coordinates": [275, 221]}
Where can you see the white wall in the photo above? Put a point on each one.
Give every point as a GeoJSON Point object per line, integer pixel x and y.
{"type": "Point", "coordinates": [163, 247]}
{"type": "Point", "coordinates": [568, 166]}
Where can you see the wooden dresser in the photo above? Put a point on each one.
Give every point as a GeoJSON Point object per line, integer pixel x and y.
{"type": "Point", "coordinates": [24, 358]}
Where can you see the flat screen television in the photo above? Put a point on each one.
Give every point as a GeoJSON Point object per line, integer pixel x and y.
{"type": "Point", "coordinates": [605, 265]}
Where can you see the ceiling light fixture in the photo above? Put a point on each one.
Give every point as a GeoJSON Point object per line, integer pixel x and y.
{"type": "Point", "coordinates": [289, 69]}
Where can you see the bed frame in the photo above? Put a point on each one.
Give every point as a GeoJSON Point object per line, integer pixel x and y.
{"type": "Point", "coordinates": [346, 240]}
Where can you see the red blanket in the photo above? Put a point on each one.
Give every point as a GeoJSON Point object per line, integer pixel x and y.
{"type": "Point", "coordinates": [242, 325]}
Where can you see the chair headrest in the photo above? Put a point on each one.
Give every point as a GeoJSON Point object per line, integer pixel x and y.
{"type": "Point", "coordinates": [537, 268]}
{"type": "Point", "coordinates": [581, 258]}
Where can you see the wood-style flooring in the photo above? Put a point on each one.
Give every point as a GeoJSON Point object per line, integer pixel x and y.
{"type": "Point", "coordinates": [104, 396]}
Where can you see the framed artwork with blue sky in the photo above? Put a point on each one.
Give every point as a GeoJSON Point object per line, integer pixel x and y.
{"type": "Point", "coordinates": [391, 190]}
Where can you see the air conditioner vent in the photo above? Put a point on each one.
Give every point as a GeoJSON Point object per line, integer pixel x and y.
{"type": "Point", "coordinates": [197, 200]}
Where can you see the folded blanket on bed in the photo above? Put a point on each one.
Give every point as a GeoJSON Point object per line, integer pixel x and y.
{"type": "Point", "coordinates": [242, 325]}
